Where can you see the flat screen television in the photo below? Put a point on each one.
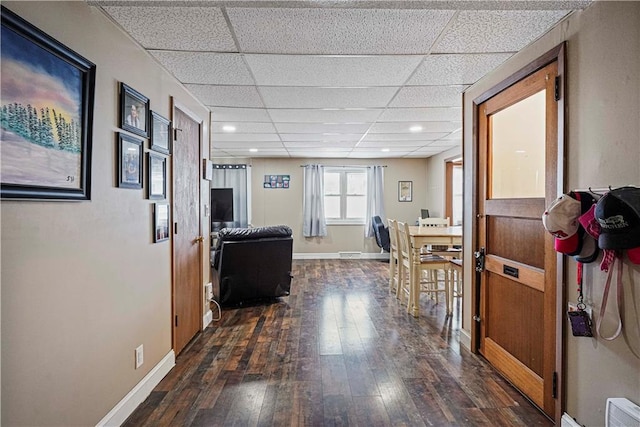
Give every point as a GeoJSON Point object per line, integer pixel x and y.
{"type": "Point", "coordinates": [221, 208]}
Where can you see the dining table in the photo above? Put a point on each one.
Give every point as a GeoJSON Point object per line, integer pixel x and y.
{"type": "Point", "coordinates": [423, 236]}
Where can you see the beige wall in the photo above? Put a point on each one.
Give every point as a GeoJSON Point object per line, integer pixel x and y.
{"type": "Point", "coordinates": [281, 206]}
{"type": "Point", "coordinates": [602, 149]}
{"type": "Point", "coordinates": [82, 282]}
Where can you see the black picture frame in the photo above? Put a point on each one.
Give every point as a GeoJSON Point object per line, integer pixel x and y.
{"type": "Point", "coordinates": [161, 216]}
{"type": "Point", "coordinates": [405, 191]}
{"type": "Point", "coordinates": [156, 176]}
{"type": "Point", "coordinates": [160, 134]}
{"type": "Point", "coordinates": [129, 161]}
{"type": "Point", "coordinates": [134, 111]}
{"type": "Point", "coordinates": [45, 145]}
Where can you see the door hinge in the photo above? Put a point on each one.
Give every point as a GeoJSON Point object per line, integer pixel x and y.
{"type": "Point", "coordinates": [175, 228]}
{"type": "Point", "coordinates": [557, 89]}
{"type": "Point", "coordinates": [176, 320]}
{"type": "Point", "coordinates": [554, 385]}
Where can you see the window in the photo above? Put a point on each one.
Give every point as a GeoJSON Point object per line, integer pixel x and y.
{"type": "Point", "coordinates": [453, 208]}
{"type": "Point", "coordinates": [345, 195]}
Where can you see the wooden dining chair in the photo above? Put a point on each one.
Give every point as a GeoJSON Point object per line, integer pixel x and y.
{"type": "Point", "coordinates": [456, 277]}
{"type": "Point", "coordinates": [445, 251]}
{"type": "Point", "coordinates": [433, 222]}
{"type": "Point", "coordinates": [395, 266]}
{"type": "Point", "coordinates": [423, 274]}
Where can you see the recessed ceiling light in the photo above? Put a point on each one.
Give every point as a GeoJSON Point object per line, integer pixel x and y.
{"type": "Point", "coordinates": [415, 128]}
{"type": "Point", "coordinates": [385, 150]}
{"type": "Point", "coordinates": [228, 128]}
{"type": "Point", "coordinates": [253, 150]}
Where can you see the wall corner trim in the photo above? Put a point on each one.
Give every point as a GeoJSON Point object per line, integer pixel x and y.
{"type": "Point", "coordinates": [207, 318]}
{"type": "Point", "coordinates": [139, 393]}
{"type": "Point", "coordinates": [465, 339]}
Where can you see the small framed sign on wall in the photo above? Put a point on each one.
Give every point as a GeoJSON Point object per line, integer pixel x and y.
{"type": "Point", "coordinates": [276, 181]}
{"type": "Point", "coordinates": [405, 191]}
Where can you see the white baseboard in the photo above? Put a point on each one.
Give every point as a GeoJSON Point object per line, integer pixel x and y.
{"type": "Point", "coordinates": [207, 318]}
{"type": "Point", "coordinates": [139, 393]}
{"type": "Point", "coordinates": [465, 339]}
{"type": "Point", "coordinates": [336, 255]}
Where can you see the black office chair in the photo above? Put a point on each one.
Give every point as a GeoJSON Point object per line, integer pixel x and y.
{"type": "Point", "coordinates": [382, 233]}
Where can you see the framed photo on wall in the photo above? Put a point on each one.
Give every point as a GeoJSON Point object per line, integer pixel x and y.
{"type": "Point", "coordinates": [46, 115]}
{"type": "Point", "coordinates": [134, 111]}
{"type": "Point", "coordinates": [160, 133]}
{"type": "Point", "coordinates": [129, 161]}
{"type": "Point", "coordinates": [405, 191]}
{"type": "Point", "coordinates": [157, 176]}
{"type": "Point", "coordinates": [160, 222]}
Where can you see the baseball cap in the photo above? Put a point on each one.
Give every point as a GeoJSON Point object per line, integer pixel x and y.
{"type": "Point", "coordinates": [589, 251]}
{"type": "Point", "coordinates": [618, 213]}
{"type": "Point", "coordinates": [561, 220]}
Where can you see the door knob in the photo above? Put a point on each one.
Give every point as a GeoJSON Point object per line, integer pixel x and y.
{"type": "Point", "coordinates": [198, 239]}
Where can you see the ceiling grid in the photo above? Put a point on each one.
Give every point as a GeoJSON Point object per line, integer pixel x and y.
{"type": "Point", "coordinates": [315, 78]}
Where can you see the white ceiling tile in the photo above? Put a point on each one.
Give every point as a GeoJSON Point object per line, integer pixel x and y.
{"type": "Point", "coordinates": [375, 154]}
{"type": "Point", "coordinates": [305, 154]}
{"type": "Point", "coordinates": [175, 28]}
{"type": "Point", "coordinates": [427, 127]}
{"type": "Point", "coordinates": [457, 135]}
{"type": "Point", "coordinates": [421, 114]}
{"type": "Point", "coordinates": [246, 145]}
{"type": "Point", "coordinates": [222, 114]}
{"type": "Point", "coordinates": [310, 97]}
{"type": "Point", "coordinates": [456, 69]}
{"type": "Point", "coordinates": [339, 145]}
{"type": "Point", "coordinates": [205, 67]}
{"type": "Point", "coordinates": [324, 116]}
{"type": "Point", "coordinates": [244, 137]}
{"type": "Point", "coordinates": [392, 144]}
{"type": "Point", "coordinates": [429, 96]}
{"type": "Point", "coordinates": [322, 128]}
{"type": "Point", "coordinates": [337, 31]}
{"type": "Point", "coordinates": [404, 136]}
{"type": "Point", "coordinates": [312, 150]}
{"type": "Point", "coordinates": [337, 137]}
{"type": "Point", "coordinates": [496, 30]}
{"type": "Point", "coordinates": [260, 153]}
{"type": "Point", "coordinates": [333, 71]}
{"type": "Point", "coordinates": [226, 96]}
{"type": "Point", "coordinates": [243, 127]}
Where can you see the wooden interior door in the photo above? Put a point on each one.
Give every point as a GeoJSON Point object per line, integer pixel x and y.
{"type": "Point", "coordinates": [187, 234]}
{"type": "Point", "coordinates": [516, 180]}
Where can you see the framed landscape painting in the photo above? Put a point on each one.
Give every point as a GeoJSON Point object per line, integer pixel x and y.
{"type": "Point", "coordinates": [46, 115]}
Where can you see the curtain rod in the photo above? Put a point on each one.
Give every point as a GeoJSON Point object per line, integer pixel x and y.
{"type": "Point", "coordinates": [346, 166]}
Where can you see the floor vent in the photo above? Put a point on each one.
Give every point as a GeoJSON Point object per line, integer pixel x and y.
{"type": "Point", "coordinates": [622, 412]}
{"type": "Point", "coordinates": [350, 255]}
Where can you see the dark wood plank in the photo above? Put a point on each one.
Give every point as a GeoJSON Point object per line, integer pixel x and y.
{"type": "Point", "coordinates": [338, 351]}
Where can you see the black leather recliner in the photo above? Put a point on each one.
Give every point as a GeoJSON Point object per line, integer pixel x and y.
{"type": "Point", "coordinates": [252, 263]}
{"type": "Point", "coordinates": [382, 233]}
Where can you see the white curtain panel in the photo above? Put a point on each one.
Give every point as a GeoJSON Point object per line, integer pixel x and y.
{"type": "Point", "coordinates": [314, 224]}
{"type": "Point", "coordinates": [233, 176]}
{"type": "Point", "coordinates": [375, 197]}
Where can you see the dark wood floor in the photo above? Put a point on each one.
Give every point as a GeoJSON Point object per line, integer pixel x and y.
{"type": "Point", "coordinates": [338, 351]}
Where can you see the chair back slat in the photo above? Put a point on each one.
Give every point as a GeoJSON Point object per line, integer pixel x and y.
{"type": "Point", "coordinates": [433, 222]}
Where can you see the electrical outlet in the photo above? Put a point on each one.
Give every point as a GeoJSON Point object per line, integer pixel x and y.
{"type": "Point", "coordinates": [139, 356]}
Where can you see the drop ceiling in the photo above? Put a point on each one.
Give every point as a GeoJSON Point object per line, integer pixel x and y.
{"type": "Point", "coordinates": [344, 78]}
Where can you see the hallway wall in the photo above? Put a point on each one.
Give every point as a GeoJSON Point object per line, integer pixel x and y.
{"type": "Point", "coordinates": [602, 149]}
{"type": "Point", "coordinates": [83, 284]}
